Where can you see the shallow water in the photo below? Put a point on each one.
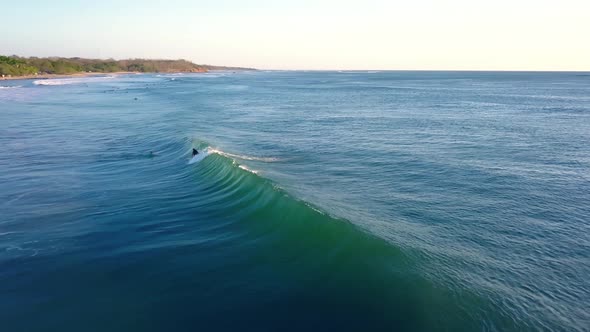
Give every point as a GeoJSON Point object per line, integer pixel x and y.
{"type": "Point", "coordinates": [404, 201]}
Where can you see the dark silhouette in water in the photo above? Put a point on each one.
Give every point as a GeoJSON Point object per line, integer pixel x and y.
{"type": "Point", "coordinates": [195, 152]}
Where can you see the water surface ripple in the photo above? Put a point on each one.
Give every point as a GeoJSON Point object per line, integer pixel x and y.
{"type": "Point", "coordinates": [380, 201]}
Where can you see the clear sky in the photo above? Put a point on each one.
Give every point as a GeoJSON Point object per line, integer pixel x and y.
{"type": "Point", "coordinates": [306, 34]}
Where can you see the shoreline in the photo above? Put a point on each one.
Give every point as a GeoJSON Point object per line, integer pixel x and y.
{"type": "Point", "coordinates": [55, 76]}
{"type": "Point", "coordinates": [51, 76]}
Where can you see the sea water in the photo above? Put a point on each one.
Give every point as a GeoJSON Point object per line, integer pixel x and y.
{"type": "Point", "coordinates": [319, 201]}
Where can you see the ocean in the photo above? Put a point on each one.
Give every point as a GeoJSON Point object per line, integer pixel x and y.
{"type": "Point", "coordinates": [320, 201]}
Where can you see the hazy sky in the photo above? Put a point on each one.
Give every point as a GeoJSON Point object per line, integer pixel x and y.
{"type": "Point", "coordinates": [305, 34]}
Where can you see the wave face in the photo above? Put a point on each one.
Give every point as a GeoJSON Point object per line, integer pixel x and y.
{"type": "Point", "coordinates": [404, 201]}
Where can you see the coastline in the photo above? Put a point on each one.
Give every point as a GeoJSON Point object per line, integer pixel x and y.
{"type": "Point", "coordinates": [34, 68]}
{"type": "Point", "coordinates": [51, 76]}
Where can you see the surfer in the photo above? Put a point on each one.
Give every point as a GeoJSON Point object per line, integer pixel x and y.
{"type": "Point", "coordinates": [195, 152]}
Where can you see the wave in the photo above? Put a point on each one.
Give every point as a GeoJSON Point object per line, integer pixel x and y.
{"type": "Point", "coordinates": [10, 87]}
{"type": "Point", "coordinates": [244, 157]}
{"type": "Point", "coordinates": [210, 75]}
{"type": "Point", "coordinates": [68, 81]}
{"type": "Point", "coordinates": [202, 155]}
{"type": "Point", "coordinates": [220, 172]}
{"type": "Point", "coordinates": [234, 158]}
{"type": "Point", "coordinates": [246, 210]}
{"type": "Point", "coordinates": [208, 151]}
{"type": "Point", "coordinates": [170, 75]}
{"type": "Point", "coordinates": [245, 168]}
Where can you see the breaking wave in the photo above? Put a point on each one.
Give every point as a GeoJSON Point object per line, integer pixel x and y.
{"type": "Point", "coordinates": [69, 81]}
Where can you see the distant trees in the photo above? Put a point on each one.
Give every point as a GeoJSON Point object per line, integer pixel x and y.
{"type": "Point", "coordinates": [65, 67]}
{"type": "Point", "coordinates": [17, 66]}
{"type": "Point", "coordinates": [45, 66]}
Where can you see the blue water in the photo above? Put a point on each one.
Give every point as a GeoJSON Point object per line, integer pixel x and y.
{"type": "Point", "coordinates": [322, 201]}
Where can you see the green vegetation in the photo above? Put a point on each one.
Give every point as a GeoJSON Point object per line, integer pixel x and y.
{"type": "Point", "coordinates": [15, 67]}
{"type": "Point", "coordinates": [18, 66]}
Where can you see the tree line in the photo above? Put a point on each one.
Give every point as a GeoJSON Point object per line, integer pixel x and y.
{"type": "Point", "coordinates": [20, 66]}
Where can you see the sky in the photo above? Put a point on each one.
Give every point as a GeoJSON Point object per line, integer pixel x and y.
{"type": "Point", "coordinates": [306, 34]}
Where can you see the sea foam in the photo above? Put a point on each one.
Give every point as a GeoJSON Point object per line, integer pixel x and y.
{"type": "Point", "coordinates": [68, 81]}
{"type": "Point", "coordinates": [244, 157]}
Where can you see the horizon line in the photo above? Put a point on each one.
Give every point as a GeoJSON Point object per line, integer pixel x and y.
{"type": "Point", "coordinates": [314, 69]}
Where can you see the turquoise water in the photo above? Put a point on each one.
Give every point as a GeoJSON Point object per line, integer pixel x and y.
{"type": "Point", "coordinates": [322, 201]}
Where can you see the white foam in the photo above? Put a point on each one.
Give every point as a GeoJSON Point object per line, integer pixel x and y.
{"type": "Point", "coordinates": [211, 75]}
{"type": "Point", "coordinates": [67, 81]}
{"type": "Point", "coordinates": [208, 151]}
{"type": "Point", "coordinates": [199, 157]}
{"type": "Point", "coordinates": [247, 169]}
{"type": "Point", "coordinates": [315, 209]}
{"type": "Point", "coordinates": [10, 87]}
{"type": "Point", "coordinates": [244, 157]}
{"type": "Point", "coordinates": [171, 75]}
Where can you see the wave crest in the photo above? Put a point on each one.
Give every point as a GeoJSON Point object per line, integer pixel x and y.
{"type": "Point", "coordinates": [68, 81]}
{"type": "Point", "coordinates": [244, 157]}
{"type": "Point", "coordinates": [208, 151]}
